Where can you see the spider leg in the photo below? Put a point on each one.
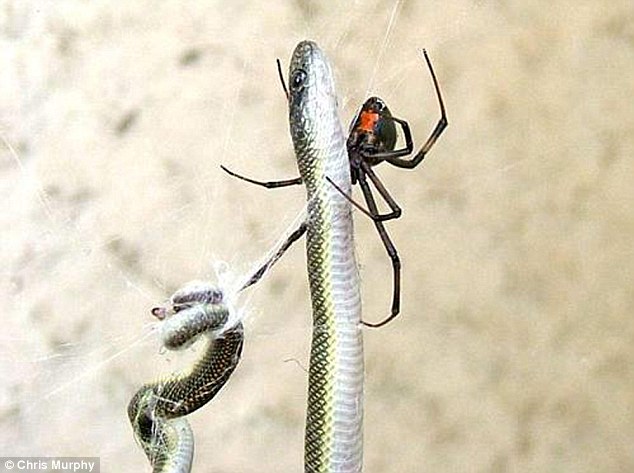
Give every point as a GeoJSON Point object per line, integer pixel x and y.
{"type": "Point", "coordinates": [281, 75]}
{"type": "Point", "coordinates": [435, 134]}
{"type": "Point", "coordinates": [389, 200]}
{"type": "Point", "coordinates": [267, 184]}
{"type": "Point", "coordinates": [372, 213]}
{"type": "Point", "coordinates": [352, 201]}
{"type": "Point", "coordinates": [391, 251]}
{"type": "Point", "coordinates": [292, 238]}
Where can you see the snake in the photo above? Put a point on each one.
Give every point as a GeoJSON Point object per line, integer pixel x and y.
{"type": "Point", "coordinates": [334, 420]}
{"type": "Point", "coordinates": [156, 412]}
{"type": "Point", "coordinates": [333, 441]}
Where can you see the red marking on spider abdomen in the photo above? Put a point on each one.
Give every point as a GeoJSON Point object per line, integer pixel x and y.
{"type": "Point", "coordinates": [367, 120]}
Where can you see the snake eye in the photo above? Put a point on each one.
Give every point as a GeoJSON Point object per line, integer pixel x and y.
{"type": "Point", "coordinates": [298, 79]}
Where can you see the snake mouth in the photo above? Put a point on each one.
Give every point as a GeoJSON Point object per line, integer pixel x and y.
{"type": "Point", "coordinates": [159, 312]}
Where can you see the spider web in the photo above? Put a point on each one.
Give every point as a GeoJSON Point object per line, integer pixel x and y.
{"type": "Point", "coordinates": [114, 199]}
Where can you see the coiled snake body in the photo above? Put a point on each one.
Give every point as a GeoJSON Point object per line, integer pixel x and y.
{"type": "Point", "coordinates": [156, 411]}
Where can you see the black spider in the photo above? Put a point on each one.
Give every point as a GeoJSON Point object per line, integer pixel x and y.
{"type": "Point", "coordinates": [371, 140]}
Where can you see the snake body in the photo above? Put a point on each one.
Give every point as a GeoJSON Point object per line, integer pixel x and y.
{"type": "Point", "coordinates": [334, 420]}
{"type": "Point", "coordinates": [156, 411]}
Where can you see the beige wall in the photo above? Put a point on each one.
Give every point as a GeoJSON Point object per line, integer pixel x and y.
{"type": "Point", "coordinates": [514, 348]}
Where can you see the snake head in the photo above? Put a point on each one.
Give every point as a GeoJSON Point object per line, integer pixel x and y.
{"type": "Point", "coordinates": [160, 312]}
{"type": "Point", "coordinates": [191, 294]}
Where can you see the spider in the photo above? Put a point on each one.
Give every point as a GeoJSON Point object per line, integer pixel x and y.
{"type": "Point", "coordinates": [371, 140]}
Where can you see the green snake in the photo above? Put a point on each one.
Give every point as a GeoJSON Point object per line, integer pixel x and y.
{"type": "Point", "coordinates": [334, 419]}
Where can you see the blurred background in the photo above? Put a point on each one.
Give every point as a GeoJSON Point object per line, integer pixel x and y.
{"type": "Point", "coordinates": [514, 348]}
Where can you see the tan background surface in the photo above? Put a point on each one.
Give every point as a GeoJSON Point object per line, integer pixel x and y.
{"type": "Point", "coordinates": [514, 350]}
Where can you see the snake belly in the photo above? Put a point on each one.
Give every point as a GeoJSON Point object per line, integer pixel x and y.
{"type": "Point", "coordinates": [156, 411]}
{"type": "Point", "coordinates": [334, 420]}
